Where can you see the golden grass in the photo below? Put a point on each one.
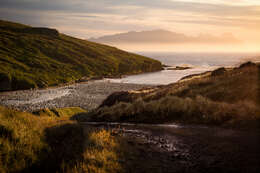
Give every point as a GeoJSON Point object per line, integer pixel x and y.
{"type": "Point", "coordinates": [60, 112]}
{"type": "Point", "coordinates": [101, 154]}
{"type": "Point", "coordinates": [33, 143]}
{"type": "Point", "coordinates": [20, 139]}
{"type": "Point", "coordinates": [23, 139]}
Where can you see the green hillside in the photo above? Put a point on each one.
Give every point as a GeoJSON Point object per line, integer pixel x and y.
{"type": "Point", "coordinates": [40, 57]}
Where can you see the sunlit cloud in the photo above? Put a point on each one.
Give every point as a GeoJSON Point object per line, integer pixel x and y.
{"type": "Point", "coordinates": [227, 2]}
{"type": "Point", "coordinates": [92, 18]}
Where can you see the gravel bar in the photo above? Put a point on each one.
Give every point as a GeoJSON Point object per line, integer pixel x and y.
{"type": "Point", "coordinates": [88, 95]}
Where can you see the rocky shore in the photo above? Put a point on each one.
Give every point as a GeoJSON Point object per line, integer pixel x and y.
{"type": "Point", "coordinates": [87, 95]}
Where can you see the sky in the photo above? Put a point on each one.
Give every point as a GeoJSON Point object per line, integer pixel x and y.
{"type": "Point", "coordinates": [95, 18]}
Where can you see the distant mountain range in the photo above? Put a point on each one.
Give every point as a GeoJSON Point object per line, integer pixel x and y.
{"type": "Point", "coordinates": [164, 37]}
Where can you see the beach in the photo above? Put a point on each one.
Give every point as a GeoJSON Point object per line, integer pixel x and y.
{"type": "Point", "coordinates": [87, 95]}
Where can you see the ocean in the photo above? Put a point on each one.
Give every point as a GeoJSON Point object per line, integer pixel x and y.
{"type": "Point", "coordinates": [200, 62]}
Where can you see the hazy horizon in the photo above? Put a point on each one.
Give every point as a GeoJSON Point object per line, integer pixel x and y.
{"type": "Point", "coordinates": [164, 41]}
{"type": "Point", "coordinates": [189, 48]}
{"type": "Point", "coordinates": [89, 18]}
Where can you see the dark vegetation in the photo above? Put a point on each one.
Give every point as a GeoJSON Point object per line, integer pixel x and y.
{"type": "Point", "coordinates": [178, 68]}
{"type": "Point", "coordinates": [40, 57]}
{"type": "Point", "coordinates": [223, 97]}
{"type": "Point", "coordinates": [43, 142]}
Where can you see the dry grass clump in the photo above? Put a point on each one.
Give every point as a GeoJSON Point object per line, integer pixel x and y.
{"type": "Point", "coordinates": [60, 112]}
{"type": "Point", "coordinates": [172, 108]}
{"type": "Point", "coordinates": [20, 140]}
{"type": "Point", "coordinates": [33, 143]}
{"type": "Point", "coordinates": [25, 140]}
{"type": "Point", "coordinates": [102, 154]}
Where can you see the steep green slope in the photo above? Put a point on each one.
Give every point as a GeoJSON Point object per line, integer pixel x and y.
{"type": "Point", "coordinates": [39, 57]}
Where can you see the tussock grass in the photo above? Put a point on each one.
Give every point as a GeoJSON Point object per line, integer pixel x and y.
{"type": "Point", "coordinates": [23, 140]}
{"type": "Point", "coordinates": [102, 154]}
{"type": "Point", "coordinates": [176, 109]}
{"type": "Point", "coordinates": [44, 143]}
{"type": "Point", "coordinates": [20, 139]}
{"type": "Point", "coordinates": [60, 112]}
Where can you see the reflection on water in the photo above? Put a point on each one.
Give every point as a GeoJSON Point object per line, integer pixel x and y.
{"type": "Point", "coordinates": [200, 62]}
{"type": "Point", "coordinates": [160, 78]}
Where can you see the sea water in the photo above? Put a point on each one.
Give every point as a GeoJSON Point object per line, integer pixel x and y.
{"type": "Point", "coordinates": [200, 62]}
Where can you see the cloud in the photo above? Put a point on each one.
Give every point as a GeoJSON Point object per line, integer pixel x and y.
{"type": "Point", "coordinates": [114, 6]}
{"type": "Point", "coordinates": [101, 17]}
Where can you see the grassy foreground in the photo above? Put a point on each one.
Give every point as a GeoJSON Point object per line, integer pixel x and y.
{"type": "Point", "coordinates": [223, 97]}
{"type": "Point", "coordinates": [40, 57]}
{"type": "Point", "coordinates": [44, 142]}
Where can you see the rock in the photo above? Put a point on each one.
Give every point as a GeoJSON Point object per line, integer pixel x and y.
{"type": "Point", "coordinates": [41, 31]}
{"type": "Point", "coordinates": [247, 64]}
{"type": "Point", "coordinates": [218, 72]}
{"type": "Point", "coordinates": [178, 68]}
{"type": "Point", "coordinates": [116, 97]}
{"type": "Point", "coordinates": [5, 82]}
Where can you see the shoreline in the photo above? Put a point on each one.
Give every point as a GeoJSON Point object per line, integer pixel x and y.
{"type": "Point", "coordinates": [86, 95]}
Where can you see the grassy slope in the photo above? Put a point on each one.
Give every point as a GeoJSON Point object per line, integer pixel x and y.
{"type": "Point", "coordinates": [43, 142]}
{"type": "Point", "coordinates": [40, 57]}
{"type": "Point", "coordinates": [222, 97]}
{"type": "Point", "coordinates": [23, 138]}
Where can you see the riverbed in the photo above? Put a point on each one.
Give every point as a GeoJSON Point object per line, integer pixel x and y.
{"type": "Point", "coordinates": [88, 95]}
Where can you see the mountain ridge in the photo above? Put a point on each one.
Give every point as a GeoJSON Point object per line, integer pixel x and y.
{"type": "Point", "coordinates": [164, 37]}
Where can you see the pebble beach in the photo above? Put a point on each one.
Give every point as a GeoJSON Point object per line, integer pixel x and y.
{"type": "Point", "coordinates": [88, 95]}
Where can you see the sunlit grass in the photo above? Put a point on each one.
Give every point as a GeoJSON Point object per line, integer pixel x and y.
{"type": "Point", "coordinates": [101, 154]}
{"type": "Point", "coordinates": [44, 143]}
